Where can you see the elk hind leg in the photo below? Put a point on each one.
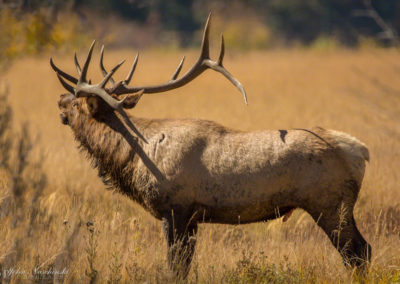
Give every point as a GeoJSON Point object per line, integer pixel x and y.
{"type": "Point", "coordinates": [339, 224]}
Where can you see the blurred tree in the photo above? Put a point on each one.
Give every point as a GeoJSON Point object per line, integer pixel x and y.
{"type": "Point", "coordinates": [129, 9]}
{"type": "Point", "coordinates": [306, 20]}
{"type": "Point", "coordinates": [294, 21]}
{"type": "Point", "coordinates": [172, 15]}
{"type": "Point", "coordinates": [177, 15]}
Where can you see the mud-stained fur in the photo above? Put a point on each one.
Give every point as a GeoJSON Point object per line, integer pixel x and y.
{"type": "Point", "coordinates": [188, 171]}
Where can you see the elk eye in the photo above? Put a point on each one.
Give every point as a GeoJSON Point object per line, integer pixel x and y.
{"type": "Point", "coordinates": [74, 104]}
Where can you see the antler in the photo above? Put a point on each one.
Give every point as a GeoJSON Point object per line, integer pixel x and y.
{"type": "Point", "coordinates": [130, 74]}
{"type": "Point", "coordinates": [203, 63]}
{"type": "Point", "coordinates": [84, 88]}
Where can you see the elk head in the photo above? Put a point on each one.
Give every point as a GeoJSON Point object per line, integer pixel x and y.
{"type": "Point", "coordinates": [97, 100]}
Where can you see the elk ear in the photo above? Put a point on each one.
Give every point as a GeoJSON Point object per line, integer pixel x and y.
{"type": "Point", "coordinates": [132, 100]}
{"type": "Point", "coordinates": [93, 105]}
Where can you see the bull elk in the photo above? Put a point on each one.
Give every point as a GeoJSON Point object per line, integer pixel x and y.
{"type": "Point", "coordinates": [189, 171]}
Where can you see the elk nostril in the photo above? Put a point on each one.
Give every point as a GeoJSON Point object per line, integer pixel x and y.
{"type": "Point", "coordinates": [64, 119]}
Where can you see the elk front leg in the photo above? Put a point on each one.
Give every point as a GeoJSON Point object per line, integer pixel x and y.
{"type": "Point", "coordinates": [180, 233]}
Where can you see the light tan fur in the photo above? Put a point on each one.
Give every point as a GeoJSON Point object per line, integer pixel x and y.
{"type": "Point", "coordinates": [188, 171]}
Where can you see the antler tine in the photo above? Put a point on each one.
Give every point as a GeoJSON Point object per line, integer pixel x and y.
{"type": "Point", "coordinates": [130, 74]}
{"type": "Point", "coordinates": [178, 70]}
{"type": "Point", "coordinates": [103, 70]}
{"type": "Point", "coordinates": [82, 77]}
{"type": "Point", "coordinates": [62, 73]}
{"type": "Point", "coordinates": [109, 75]}
{"type": "Point", "coordinates": [78, 67]}
{"type": "Point", "coordinates": [222, 51]}
{"type": "Point", "coordinates": [205, 43]}
{"type": "Point", "coordinates": [219, 68]}
{"type": "Point", "coordinates": [68, 87]}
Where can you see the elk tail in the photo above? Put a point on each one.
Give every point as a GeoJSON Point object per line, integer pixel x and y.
{"type": "Point", "coordinates": [350, 145]}
{"type": "Point", "coordinates": [353, 152]}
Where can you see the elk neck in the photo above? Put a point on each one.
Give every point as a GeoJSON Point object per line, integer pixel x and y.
{"type": "Point", "coordinates": [112, 149]}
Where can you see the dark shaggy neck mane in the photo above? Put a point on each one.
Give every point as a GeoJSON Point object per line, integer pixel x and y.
{"type": "Point", "coordinates": [107, 146]}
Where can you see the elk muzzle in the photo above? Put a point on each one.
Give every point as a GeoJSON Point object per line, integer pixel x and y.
{"type": "Point", "coordinates": [64, 104]}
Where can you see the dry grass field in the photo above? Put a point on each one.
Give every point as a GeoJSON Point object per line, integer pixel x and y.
{"type": "Point", "coordinates": [357, 92]}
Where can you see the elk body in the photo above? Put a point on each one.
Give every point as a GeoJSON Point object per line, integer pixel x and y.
{"type": "Point", "coordinates": [187, 171]}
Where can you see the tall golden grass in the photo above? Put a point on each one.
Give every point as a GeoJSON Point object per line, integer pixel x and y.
{"type": "Point", "coordinates": [353, 91]}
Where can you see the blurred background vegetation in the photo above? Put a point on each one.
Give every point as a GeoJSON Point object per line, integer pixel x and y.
{"type": "Point", "coordinates": [32, 26]}
{"type": "Point", "coordinates": [52, 198]}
